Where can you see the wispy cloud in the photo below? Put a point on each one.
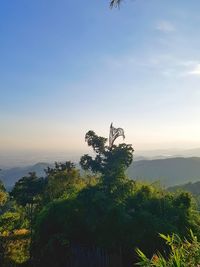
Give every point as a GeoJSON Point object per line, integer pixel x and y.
{"type": "Point", "coordinates": [165, 26]}
{"type": "Point", "coordinates": [190, 68]}
{"type": "Point", "coordinates": [176, 67]}
{"type": "Point", "coordinates": [180, 68]}
{"type": "Point", "coordinates": [195, 70]}
{"type": "Point", "coordinates": [167, 65]}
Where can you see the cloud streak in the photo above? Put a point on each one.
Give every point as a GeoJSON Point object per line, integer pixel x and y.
{"type": "Point", "coordinates": [165, 26]}
{"type": "Point", "coordinates": [196, 70]}
{"type": "Point", "coordinates": [164, 64]}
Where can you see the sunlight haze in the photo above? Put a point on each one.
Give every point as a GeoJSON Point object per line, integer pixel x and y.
{"type": "Point", "coordinates": [67, 67]}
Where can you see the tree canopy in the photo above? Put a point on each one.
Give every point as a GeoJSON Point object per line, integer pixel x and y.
{"type": "Point", "coordinates": [110, 162]}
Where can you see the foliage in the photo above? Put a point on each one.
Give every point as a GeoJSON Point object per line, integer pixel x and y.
{"type": "Point", "coordinates": [15, 248]}
{"type": "Point", "coordinates": [26, 193]}
{"type": "Point", "coordinates": [3, 197]}
{"type": "Point", "coordinates": [62, 181]}
{"type": "Point", "coordinates": [14, 241]}
{"type": "Point", "coordinates": [27, 189]}
{"type": "Point", "coordinates": [128, 216]}
{"type": "Point", "coordinates": [182, 253]}
{"type": "Point", "coordinates": [2, 187]}
{"type": "Point", "coordinates": [110, 162]}
{"type": "Point", "coordinates": [9, 221]}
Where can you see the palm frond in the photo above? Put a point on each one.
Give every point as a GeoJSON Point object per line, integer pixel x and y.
{"type": "Point", "coordinates": [115, 3]}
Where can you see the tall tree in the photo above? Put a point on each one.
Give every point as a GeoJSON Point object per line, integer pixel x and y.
{"type": "Point", "coordinates": [26, 192]}
{"type": "Point", "coordinates": [3, 197]}
{"type": "Point", "coordinates": [27, 189]}
{"type": "Point", "coordinates": [63, 178]}
{"type": "Point", "coordinates": [111, 162]}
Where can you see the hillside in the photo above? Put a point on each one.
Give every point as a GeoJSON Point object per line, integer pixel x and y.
{"type": "Point", "coordinates": [193, 188]}
{"type": "Point", "coordinates": [170, 172]}
{"type": "Point", "coordinates": [10, 176]}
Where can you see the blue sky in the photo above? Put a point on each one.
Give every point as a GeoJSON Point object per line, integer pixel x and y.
{"type": "Point", "coordinates": [69, 66]}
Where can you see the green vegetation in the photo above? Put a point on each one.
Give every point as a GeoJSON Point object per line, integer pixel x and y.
{"type": "Point", "coordinates": [54, 220]}
{"type": "Point", "coordinates": [14, 232]}
{"type": "Point", "coordinates": [182, 253]}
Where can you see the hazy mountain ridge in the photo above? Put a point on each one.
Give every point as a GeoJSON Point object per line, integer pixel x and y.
{"type": "Point", "coordinates": [170, 171]}
{"type": "Point", "coordinates": [10, 176]}
{"type": "Point", "coordinates": [193, 188]}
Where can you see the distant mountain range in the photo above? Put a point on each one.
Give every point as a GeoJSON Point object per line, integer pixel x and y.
{"type": "Point", "coordinates": [170, 171]}
{"type": "Point", "coordinates": [168, 153]}
{"type": "Point", "coordinates": [10, 176]}
{"type": "Point", "coordinates": [193, 188]}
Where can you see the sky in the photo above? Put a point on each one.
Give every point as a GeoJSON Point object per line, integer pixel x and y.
{"type": "Point", "coordinates": [70, 66]}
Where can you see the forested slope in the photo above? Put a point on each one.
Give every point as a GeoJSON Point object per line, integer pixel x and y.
{"type": "Point", "coordinates": [169, 172]}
